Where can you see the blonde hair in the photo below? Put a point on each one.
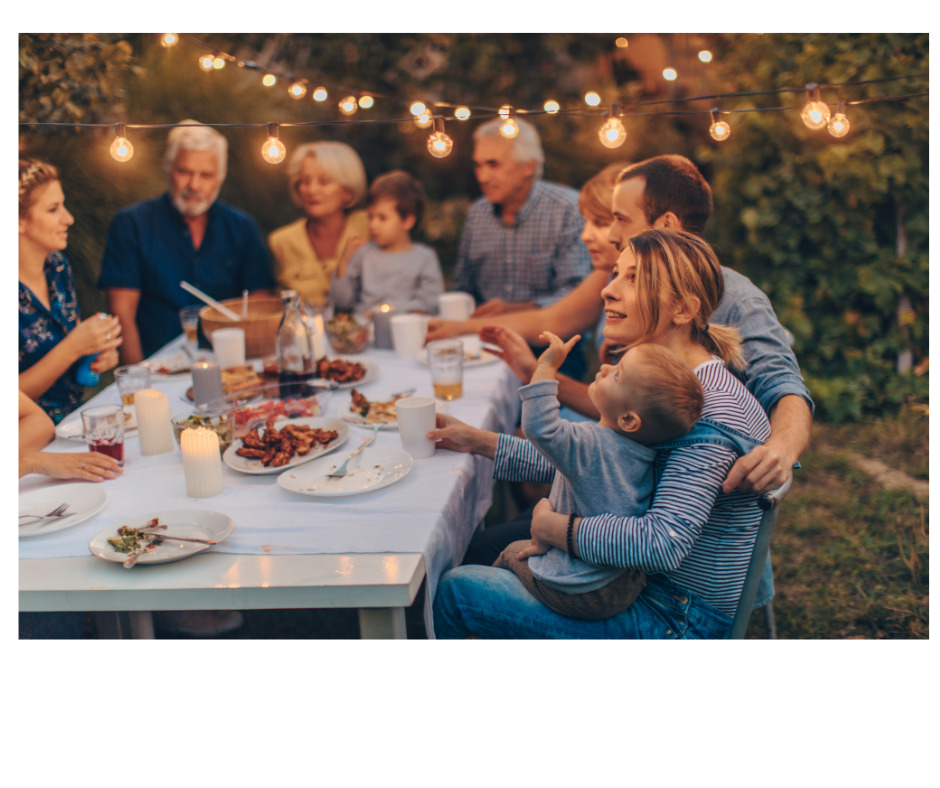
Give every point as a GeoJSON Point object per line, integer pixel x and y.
{"type": "Point", "coordinates": [683, 266]}
{"type": "Point", "coordinates": [667, 395]}
{"type": "Point", "coordinates": [339, 161]}
{"type": "Point", "coordinates": [33, 174]}
{"type": "Point", "coordinates": [597, 195]}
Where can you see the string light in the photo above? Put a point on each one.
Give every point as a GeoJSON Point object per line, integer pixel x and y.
{"type": "Point", "coordinates": [418, 108]}
{"type": "Point", "coordinates": [551, 106]}
{"type": "Point", "coordinates": [705, 56]}
{"type": "Point", "coordinates": [592, 99]}
{"type": "Point", "coordinates": [613, 134]}
{"type": "Point", "coordinates": [462, 113]}
{"type": "Point", "coordinates": [366, 101]}
{"type": "Point", "coordinates": [838, 123]}
{"type": "Point", "coordinates": [269, 80]}
{"type": "Point", "coordinates": [622, 42]}
{"type": "Point", "coordinates": [320, 94]}
{"type": "Point", "coordinates": [205, 62]}
{"type": "Point", "coordinates": [121, 150]}
{"type": "Point", "coordinates": [297, 90]}
{"type": "Point", "coordinates": [169, 40]}
{"type": "Point", "coordinates": [439, 144]}
{"type": "Point", "coordinates": [273, 150]}
{"type": "Point", "coordinates": [508, 127]}
{"type": "Point", "coordinates": [670, 74]}
{"type": "Point", "coordinates": [719, 129]}
{"type": "Point", "coordinates": [218, 63]}
{"type": "Point", "coordinates": [424, 120]}
{"type": "Point", "coordinates": [816, 112]}
{"type": "Point", "coordinates": [505, 111]}
{"type": "Point", "coordinates": [348, 105]}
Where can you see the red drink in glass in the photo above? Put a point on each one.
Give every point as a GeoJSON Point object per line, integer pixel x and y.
{"type": "Point", "coordinates": [109, 447]}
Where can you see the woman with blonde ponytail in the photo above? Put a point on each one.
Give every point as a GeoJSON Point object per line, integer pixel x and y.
{"type": "Point", "coordinates": [694, 542]}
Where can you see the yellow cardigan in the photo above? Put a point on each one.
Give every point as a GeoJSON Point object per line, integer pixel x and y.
{"type": "Point", "coordinates": [296, 265]}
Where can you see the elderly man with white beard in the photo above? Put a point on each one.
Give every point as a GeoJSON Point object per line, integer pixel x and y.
{"type": "Point", "coordinates": [184, 234]}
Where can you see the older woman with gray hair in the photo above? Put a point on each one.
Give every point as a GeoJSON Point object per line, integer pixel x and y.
{"type": "Point", "coordinates": [326, 180]}
{"type": "Point", "coordinates": [185, 234]}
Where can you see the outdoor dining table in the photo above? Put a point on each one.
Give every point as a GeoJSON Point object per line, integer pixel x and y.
{"type": "Point", "coordinates": [369, 551]}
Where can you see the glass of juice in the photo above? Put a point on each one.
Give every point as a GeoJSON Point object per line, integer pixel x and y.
{"type": "Point", "coordinates": [131, 379]}
{"type": "Point", "coordinates": [104, 430]}
{"type": "Point", "coordinates": [445, 357]}
{"type": "Point", "coordinates": [189, 318]}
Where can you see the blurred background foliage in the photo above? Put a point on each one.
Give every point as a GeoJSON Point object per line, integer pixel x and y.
{"type": "Point", "coordinates": [834, 230]}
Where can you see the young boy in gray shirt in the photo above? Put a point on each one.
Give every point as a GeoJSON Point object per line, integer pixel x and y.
{"type": "Point", "coordinates": [649, 397]}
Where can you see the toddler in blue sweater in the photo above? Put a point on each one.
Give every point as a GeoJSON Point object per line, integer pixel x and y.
{"type": "Point", "coordinates": [650, 396]}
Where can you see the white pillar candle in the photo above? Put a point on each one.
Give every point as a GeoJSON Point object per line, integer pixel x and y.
{"type": "Point", "coordinates": [202, 464]}
{"type": "Point", "coordinates": [382, 326]}
{"type": "Point", "coordinates": [207, 382]}
{"type": "Point", "coordinates": [153, 422]}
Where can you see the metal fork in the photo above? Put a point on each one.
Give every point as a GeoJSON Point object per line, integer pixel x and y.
{"type": "Point", "coordinates": [59, 511]}
{"type": "Point", "coordinates": [340, 472]}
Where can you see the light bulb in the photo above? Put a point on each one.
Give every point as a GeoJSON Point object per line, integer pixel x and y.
{"type": "Point", "coordinates": [669, 74]}
{"type": "Point", "coordinates": [320, 94]}
{"type": "Point", "coordinates": [205, 62]}
{"type": "Point", "coordinates": [169, 39]}
{"type": "Point", "coordinates": [622, 42]}
{"type": "Point", "coordinates": [348, 105]}
{"type": "Point", "coordinates": [121, 149]}
{"type": "Point", "coordinates": [719, 130]}
{"type": "Point", "coordinates": [366, 102]}
{"type": "Point", "coordinates": [440, 145]}
{"type": "Point", "coordinates": [551, 106]}
{"type": "Point", "coordinates": [298, 90]}
{"type": "Point", "coordinates": [269, 80]}
{"type": "Point", "coordinates": [612, 133]}
{"type": "Point", "coordinates": [424, 120]}
{"type": "Point", "coordinates": [273, 151]}
{"type": "Point", "coordinates": [218, 63]}
{"type": "Point", "coordinates": [505, 111]}
{"type": "Point", "coordinates": [839, 125]}
{"type": "Point", "coordinates": [816, 113]}
{"type": "Point", "coordinates": [509, 128]}
{"type": "Point", "coordinates": [462, 113]}
{"type": "Point", "coordinates": [592, 99]}
{"type": "Point", "coordinates": [418, 108]}
{"type": "Point", "coordinates": [705, 56]}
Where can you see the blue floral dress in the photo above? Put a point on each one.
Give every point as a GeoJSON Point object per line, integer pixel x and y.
{"type": "Point", "coordinates": [42, 329]}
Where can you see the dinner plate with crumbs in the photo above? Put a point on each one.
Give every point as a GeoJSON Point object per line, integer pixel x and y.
{"type": "Point", "coordinates": [256, 466]}
{"type": "Point", "coordinates": [376, 467]}
{"type": "Point", "coordinates": [186, 523]}
{"type": "Point", "coordinates": [84, 500]}
{"type": "Point", "coordinates": [178, 363]}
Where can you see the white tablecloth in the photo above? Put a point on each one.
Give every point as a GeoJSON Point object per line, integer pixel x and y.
{"type": "Point", "coordinates": [432, 511]}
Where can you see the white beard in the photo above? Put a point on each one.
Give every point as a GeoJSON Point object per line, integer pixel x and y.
{"type": "Point", "coordinates": [192, 205]}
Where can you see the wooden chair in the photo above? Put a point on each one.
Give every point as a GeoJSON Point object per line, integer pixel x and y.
{"type": "Point", "coordinates": [769, 503]}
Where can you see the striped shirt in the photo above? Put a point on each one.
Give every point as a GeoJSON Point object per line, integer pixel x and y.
{"type": "Point", "coordinates": [540, 258]}
{"type": "Point", "coordinates": [699, 537]}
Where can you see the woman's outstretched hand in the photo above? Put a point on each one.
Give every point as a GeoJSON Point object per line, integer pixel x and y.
{"type": "Point", "coordinates": [515, 350]}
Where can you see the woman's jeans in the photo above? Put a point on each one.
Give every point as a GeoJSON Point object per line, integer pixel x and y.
{"type": "Point", "coordinates": [487, 602]}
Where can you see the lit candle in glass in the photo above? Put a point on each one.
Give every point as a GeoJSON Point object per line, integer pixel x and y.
{"type": "Point", "coordinates": [153, 422]}
{"type": "Point", "coordinates": [202, 464]}
{"type": "Point", "coordinates": [382, 326]}
{"type": "Point", "coordinates": [207, 382]}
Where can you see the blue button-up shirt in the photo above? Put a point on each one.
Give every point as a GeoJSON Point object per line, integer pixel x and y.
{"type": "Point", "coordinates": [42, 329]}
{"type": "Point", "coordinates": [540, 258]}
{"type": "Point", "coordinates": [150, 249]}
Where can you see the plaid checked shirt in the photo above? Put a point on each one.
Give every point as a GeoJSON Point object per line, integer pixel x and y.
{"type": "Point", "coordinates": [540, 258]}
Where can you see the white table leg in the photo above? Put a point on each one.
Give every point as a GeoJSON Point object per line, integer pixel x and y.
{"type": "Point", "coordinates": [382, 623]}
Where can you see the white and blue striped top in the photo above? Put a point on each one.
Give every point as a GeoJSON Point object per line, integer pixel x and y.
{"type": "Point", "coordinates": [698, 536]}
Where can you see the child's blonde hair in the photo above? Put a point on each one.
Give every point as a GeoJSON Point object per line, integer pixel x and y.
{"type": "Point", "coordinates": [684, 266]}
{"type": "Point", "coordinates": [667, 395]}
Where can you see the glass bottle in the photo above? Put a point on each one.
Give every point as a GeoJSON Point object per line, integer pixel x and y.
{"type": "Point", "coordinates": [294, 347]}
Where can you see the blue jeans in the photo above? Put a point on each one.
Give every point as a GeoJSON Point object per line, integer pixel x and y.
{"type": "Point", "coordinates": [492, 603]}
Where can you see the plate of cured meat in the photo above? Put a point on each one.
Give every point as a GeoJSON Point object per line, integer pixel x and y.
{"type": "Point", "coordinates": [285, 443]}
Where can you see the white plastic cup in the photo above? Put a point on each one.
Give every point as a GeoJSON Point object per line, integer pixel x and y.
{"type": "Point", "coordinates": [455, 306]}
{"type": "Point", "coordinates": [415, 420]}
{"type": "Point", "coordinates": [408, 333]}
{"type": "Point", "coordinates": [228, 344]}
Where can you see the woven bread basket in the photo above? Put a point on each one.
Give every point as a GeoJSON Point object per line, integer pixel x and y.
{"type": "Point", "coordinates": [264, 316]}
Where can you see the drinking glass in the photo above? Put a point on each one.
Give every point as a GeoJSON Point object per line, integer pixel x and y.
{"type": "Point", "coordinates": [189, 317]}
{"type": "Point", "coordinates": [131, 379]}
{"type": "Point", "coordinates": [445, 358]}
{"type": "Point", "coordinates": [104, 430]}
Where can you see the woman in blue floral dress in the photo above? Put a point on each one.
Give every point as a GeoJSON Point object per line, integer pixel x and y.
{"type": "Point", "coordinates": [52, 338]}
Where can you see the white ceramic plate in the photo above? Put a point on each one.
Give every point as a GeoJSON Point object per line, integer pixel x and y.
{"type": "Point", "coordinates": [84, 500]}
{"type": "Point", "coordinates": [358, 421]}
{"type": "Point", "coordinates": [73, 430]}
{"type": "Point", "coordinates": [193, 523]}
{"type": "Point", "coordinates": [175, 363]}
{"type": "Point", "coordinates": [246, 465]}
{"type": "Point", "coordinates": [484, 358]}
{"type": "Point", "coordinates": [372, 371]}
{"type": "Point", "coordinates": [375, 468]}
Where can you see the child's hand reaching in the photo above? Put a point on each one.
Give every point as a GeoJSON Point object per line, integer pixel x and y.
{"type": "Point", "coordinates": [553, 356]}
